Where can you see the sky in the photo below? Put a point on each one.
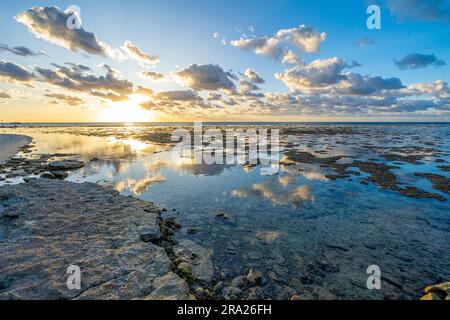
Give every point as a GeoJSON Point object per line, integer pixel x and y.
{"type": "Point", "coordinates": [208, 60]}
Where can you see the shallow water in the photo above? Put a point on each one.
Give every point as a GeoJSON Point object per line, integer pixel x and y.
{"type": "Point", "coordinates": [308, 234]}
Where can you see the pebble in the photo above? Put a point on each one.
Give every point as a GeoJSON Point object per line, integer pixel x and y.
{"type": "Point", "coordinates": [254, 276]}
{"type": "Point", "coordinates": [232, 291]}
{"type": "Point", "coordinates": [218, 287]}
{"type": "Point", "coordinates": [238, 281]}
{"type": "Point", "coordinates": [192, 230]}
{"type": "Point", "coordinates": [59, 174]}
{"type": "Point", "coordinates": [252, 296]}
{"type": "Point", "coordinates": [254, 255]}
{"type": "Point", "coordinates": [47, 175]}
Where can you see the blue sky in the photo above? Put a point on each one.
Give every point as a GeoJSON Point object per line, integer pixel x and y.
{"type": "Point", "coordinates": [180, 33]}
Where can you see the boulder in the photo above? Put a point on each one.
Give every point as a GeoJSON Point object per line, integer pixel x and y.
{"type": "Point", "coordinates": [65, 165]}
{"type": "Point", "coordinates": [254, 276]}
{"type": "Point", "coordinates": [59, 174]}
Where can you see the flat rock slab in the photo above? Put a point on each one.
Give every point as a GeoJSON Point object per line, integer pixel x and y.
{"type": "Point", "coordinates": [48, 225]}
{"type": "Point", "coordinates": [65, 165]}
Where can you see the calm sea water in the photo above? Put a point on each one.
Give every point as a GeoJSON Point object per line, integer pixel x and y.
{"type": "Point", "coordinates": [306, 233]}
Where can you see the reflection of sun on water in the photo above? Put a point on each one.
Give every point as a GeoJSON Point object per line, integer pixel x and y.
{"type": "Point", "coordinates": [135, 145]}
{"type": "Point", "coordinates": [127, 111]}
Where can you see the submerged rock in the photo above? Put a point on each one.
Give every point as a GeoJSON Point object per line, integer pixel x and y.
{"type": "Point", "coordinates": [254, 276]}
{"type": "Point", "coordinates": [198, 257]}
{"type": "Point", "coordinates": [47, 175]}
{"type": "Point", "coordinates": [65, 165]}
{"type": "Point", "coordinates": [437, 292]}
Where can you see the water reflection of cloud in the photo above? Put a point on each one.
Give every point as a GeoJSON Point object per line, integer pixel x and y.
{"type": "Point", "coordinates": [267, 236]}
{"type": "Point", "coordinates": [310, 172]}
{"type": "Point", "coordinates": [137, 186]}
{"type": "Point", "coordinates": [281, 191]}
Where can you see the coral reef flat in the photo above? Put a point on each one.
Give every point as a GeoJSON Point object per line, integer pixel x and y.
{"type": "Point", "coordinates": [345, 197]}
{"type": "Point", "coordinates": [48, 225]}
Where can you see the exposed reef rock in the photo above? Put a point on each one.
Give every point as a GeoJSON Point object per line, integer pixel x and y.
{"type": "Point", "coordinates": [48, 225]}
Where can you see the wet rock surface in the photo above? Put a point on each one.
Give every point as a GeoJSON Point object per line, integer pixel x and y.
{"type": "Point", "coordinates": [437, 292]}
{"type": "Point", "coordinates": [48, 225]}
{"type": "Point", "coordinates": [361, 204]}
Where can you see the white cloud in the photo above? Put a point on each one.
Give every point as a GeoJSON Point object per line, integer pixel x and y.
{"type": "Point", "coordinates": [136, 53]}
{"type": "Point", "coordinates": [304, 38]}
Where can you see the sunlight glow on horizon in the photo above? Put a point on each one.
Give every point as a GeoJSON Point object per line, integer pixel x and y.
{"type": "Point", "coordinates": [127, 111]}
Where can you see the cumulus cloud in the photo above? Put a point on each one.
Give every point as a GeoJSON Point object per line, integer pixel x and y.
{"type": "Point", "coordinates": [178, 95]}
{"type": "Point", "coordinates": [422, 10]}
{"type": "Point", "coordinates": [247, 87]}
{"type": "Point", "coordinates": [253, 76]}
{"type": "Point", "coordinates": [175, 102]}
{"type": "Point", "coordinates": [49, 23]}
{"type": "Point", "coordinates": [437, 89]}
{"type": "Point", "coordinates": [152, 75]}
{"type": "Point", "coordinates": [136, 53]}
{"type": "Point", "coordinates": [74, 78]}
{"type": "Point", "coordinates": [12, 72]}
{"type": "Point", "coordinates": [357, 84]}
{"type": "Point", "coordinates": [63, 98]}
{"type": "Point", "coordinates": [144, 91]}
{"type": "Point", "coordinates": [327, 76]}
{"type": "Point", "coordinates": [20, 50]}
{"type": "Point", "coordinates": [418, 60]}
{"type": "Point", "coordinates": [304, 38]}
{"type": "Point", "coordinates": [4, 95]}
{"type": "Point", "coordinates": [206, 77]}
{"type": "Point", "coordinates": [319, 73]}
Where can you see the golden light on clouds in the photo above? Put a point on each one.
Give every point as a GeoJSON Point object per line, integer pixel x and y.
{"type": "Point", "coordinates": [127, 111]}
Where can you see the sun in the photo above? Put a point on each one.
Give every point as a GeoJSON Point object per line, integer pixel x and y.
{"type": "Point", "coordinates": [127, 111]}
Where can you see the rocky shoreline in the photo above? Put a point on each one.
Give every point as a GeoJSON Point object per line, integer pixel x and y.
{"type": "Point", "coordinates": [121, 244]}
{"type": "Point", "coordinates": [48, 225]}
{"type": "Point", "coordinates": [124, 247]}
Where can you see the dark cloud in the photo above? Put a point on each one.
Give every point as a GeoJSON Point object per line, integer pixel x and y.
{"type": "Point", "coordinates": [365, 42]}
{"type": "Point", "coordinates": [66, 99]}
{"type": "Point", "coordinates": [178, 95]}
{"type": "Point", "coordinates": [20, 51]}
{"type": "Point", "coordinates": [4, 95]}
{"type": "Point", "coordinates": [354, 64]}
{"type": "Point", "coordinates": [366, 85]}
{"type": "Point", "coordinates": [12, 72]}
{"type": "Point", "coordinates": [327, 76]}
{"type": "Point", "coordinates": [152, 75]}
{"type": "Point", "coordinates": [418, 60]}
{"type": "Point", "coordinates": [422, 10]}
{"type": "Point", "coordinates": [79, 79]}
{"type": "Point", "coordinates": [206, 77]}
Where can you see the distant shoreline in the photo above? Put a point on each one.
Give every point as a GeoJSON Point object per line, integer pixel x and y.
{"type": "Point", "coordinates": [152, 124]}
